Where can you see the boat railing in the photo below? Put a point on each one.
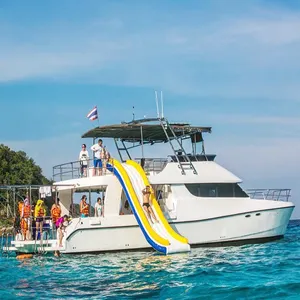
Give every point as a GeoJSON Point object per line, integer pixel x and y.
{"type": "Point", "coordinates": [41, 239]}
{"type": "Point", "coordinates": [48, 227]}
{"type": "Point", "coordinates": [270, 194]}
{"type": "Point", "coordinates": [152, 165]}
{"type": "Point", "coordinates": [72, 170]}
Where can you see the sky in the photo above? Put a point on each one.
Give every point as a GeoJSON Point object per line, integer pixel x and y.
{"type": "Point", "coordinates": [233, 65]}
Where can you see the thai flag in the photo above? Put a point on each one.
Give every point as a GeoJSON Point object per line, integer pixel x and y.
{"type": "Point", "coordinates": [93, 114]}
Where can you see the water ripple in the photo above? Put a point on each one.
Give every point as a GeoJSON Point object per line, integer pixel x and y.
{"type": "Point", "coordinates": [267, 271]}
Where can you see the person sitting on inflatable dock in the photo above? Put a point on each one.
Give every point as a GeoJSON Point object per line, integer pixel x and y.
{"type": "Point", "coordinates": [84, 207]}
{"type": "Point", "coordinates": [147, 202]}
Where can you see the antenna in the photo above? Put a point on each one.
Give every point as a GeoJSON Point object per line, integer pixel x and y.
{"type": "Point", "coordinates": [133, 116]}
{"type": "Point", "coordinates": [162, 104]}
{"type": "Point", "coordinates": [156, 100]}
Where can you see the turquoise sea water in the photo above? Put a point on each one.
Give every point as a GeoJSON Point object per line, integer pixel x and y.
{"type": "Point", "coordinates": [265, 271]}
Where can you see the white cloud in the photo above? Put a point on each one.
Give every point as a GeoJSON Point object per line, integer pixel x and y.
{"type": "Point", "coordinates": [260, 158]}
{"type": "Point", "coordinates": [278, 31]}
{"type": "Point", "coordinates": [232, 56]}
{"type": "Point", "coordinates": [254, 119]}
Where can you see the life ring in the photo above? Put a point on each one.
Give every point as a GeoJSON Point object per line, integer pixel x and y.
{"type": "Point", "coordinates": [24, 256]}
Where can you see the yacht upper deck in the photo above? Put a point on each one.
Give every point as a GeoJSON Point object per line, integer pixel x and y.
{"type": "Point", "coordinates": [144, 131]}
{"type": "Point", "coordinates": [137, 133]}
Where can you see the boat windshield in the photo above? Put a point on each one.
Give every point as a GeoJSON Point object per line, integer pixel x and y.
{"type": "Point", "coordinates": [222, 190]}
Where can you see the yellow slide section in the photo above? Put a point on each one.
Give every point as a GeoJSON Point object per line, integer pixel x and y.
{"type": "Point", "coordinates": [161, 216]}
{"type": "Point", "coordinates": [140, 212]}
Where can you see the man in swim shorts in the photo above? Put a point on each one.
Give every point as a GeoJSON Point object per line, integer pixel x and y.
{"type": "Point", "coordinates": [97, 149]}
{"type": "Point", "coordinates": [147, 202]}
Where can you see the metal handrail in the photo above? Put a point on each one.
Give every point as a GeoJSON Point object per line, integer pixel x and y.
{"type": "Point", "coordinates": [70, 170]}
{"type": "Point", "coordinates": [154, 165]}
{"type": "Point", "coordinates": [269, 194]}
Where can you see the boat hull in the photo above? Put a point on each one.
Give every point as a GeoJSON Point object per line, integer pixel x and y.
{"type": "Point", "coordinates": [251, 227]}
{"type": "Point", "coordinates": [93, 235]}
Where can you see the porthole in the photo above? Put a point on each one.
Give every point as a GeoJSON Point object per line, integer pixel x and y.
{"type": "Point", "coordinates": [247, 216]}
{"type": "Point", "coordinates": [258, 214]}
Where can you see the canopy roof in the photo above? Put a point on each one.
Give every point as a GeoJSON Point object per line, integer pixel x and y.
{"type": "Point", "coordinates": [131, 132]}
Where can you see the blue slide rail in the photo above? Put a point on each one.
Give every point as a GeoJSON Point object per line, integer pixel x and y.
{"type": "Point", "coordinates": [157, 242]}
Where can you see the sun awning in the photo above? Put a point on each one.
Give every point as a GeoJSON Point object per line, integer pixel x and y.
{"type": "Point", "coordinates": [131, 132]}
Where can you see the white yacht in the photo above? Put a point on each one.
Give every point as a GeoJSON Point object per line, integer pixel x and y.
{"type": "Point", "coordinates": [197, 202]}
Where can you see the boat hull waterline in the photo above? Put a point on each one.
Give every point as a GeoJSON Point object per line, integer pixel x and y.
{"type": "Point", "coordinates": [219, 231]}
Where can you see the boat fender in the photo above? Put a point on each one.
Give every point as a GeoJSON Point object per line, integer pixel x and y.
{"type": "Point", "coordinates": [24, 256]}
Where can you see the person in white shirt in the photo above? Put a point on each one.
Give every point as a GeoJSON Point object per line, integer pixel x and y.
{"type": "Point", "coordinates": [98, 208]}
{"type": "Point", "coordinates": [84, 160]}
{"type": "Point", "coordinates": [97, 149]}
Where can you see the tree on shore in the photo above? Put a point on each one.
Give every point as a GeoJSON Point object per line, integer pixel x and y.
{"type": "Point", "coordinates": [16, 168]}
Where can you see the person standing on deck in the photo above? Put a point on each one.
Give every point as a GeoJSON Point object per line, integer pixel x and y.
{"type": "Point", "coordinates": [98, 208]}
{"type": "Point", "coordinates": [55, 212]}
{"type": "Point", "coordinates": [39, 214]}
{"type": "Point", "coordinates": [97, 149]}
{"type": "Point", "coordinates": [84, 207]}
{"type": "Point", "coordinates": [147, 202]}
{"type": "Point", "coordinates": [84, 160]}
{"type": "Point", "coordinates": [103, 198]}
{"type": "Point", "coordinates": [18, 220]}
{"type": "Point", "coordinates": [20, 207]}
{"type": "Point", "coordinates": [25, 219]}
{"type": "Point", "coordinates": [105, 156]}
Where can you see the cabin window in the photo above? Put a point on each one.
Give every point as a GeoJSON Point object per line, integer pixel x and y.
{"type": "Point", "coordinates": [216, 190]}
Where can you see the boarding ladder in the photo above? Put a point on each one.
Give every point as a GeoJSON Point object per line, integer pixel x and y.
{"type": "Point", "coordinates": [5, 243]}
{"type": "Point", "coordinates": [183, 165]}
{"type": "Point", "coordinates": [39, 245]}
{"type": "Point", "coordinates": [122, 149]}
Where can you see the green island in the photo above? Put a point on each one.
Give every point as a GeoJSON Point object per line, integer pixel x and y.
{"type": "Point", "coordinates": [16, 169]}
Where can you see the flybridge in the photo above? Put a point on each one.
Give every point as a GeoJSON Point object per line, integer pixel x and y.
{"type": "Point", "coordinates": [154, 130]}
{"type": "Point", "coordinates": [151, 132]}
